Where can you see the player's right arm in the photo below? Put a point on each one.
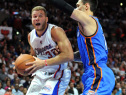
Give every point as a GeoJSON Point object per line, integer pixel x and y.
{"type": "Point", "coordinates": [87, 23]}
{"type": "Point", "coordinates": [32, 52]}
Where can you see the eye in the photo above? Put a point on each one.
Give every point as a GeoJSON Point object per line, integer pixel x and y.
{"type": "Point", "coordinates": [34, 16]}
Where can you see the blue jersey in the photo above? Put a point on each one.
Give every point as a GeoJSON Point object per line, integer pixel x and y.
{"type": "Point", "coordinates": [92, 49]}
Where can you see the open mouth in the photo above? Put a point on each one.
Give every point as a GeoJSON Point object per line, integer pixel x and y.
{"type": "Point", "coordinates": [37, 24]}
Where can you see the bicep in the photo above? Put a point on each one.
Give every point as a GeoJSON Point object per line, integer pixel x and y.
{"type": "Point", "coordinates": [63, 42]}
{"type": "Point", "coordinates": [83, 18]}
{"type": "Point", "coordinates": [64, 45]}
{"type": "Point", "coordinates": [87, 24]}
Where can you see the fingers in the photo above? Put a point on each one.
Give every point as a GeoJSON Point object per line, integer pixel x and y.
{"type": "Point", "coordinates": [35, 57]}
{"type": "Point", "coordinates": [31, 69]}
{"type": "Point", "coordinates": [57, 51]}
{"type": "Point", "coordinates": [14, 66]}
{"type": "Point", "coordinates": [30, 63]}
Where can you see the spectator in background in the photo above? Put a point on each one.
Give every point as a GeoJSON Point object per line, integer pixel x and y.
{"type": "Point", "coordinates": [123, 91]}
{"type": "Point", "coordinates": [21, 87]}
{"type": "Point", "coordinates": [2, 60]}
{"type": "Point", "coordinates": [72, 90]}
{"type": "Point", "coordinates": [80, 90]}
{"type": "Point", "coordinates": [16, 90]}
{"type": "Point", "coordinates": [25, 91]}
{"type": "Point", "coordinates": [22, 81]}
{"type": "Point", "coordinates": [16, 80]}
{"type": "Point", "coordinates": [122, 83]}
{"type": "Point", "coordinates": [114, 91]}
{"type": "Point", "coordinates": [119, 90]}
{"type": "Point", "coordinates": [2, 91]}
{"type": "Point", "coordinates": [3, 74]}
{"type": "Point", "coordinates": [11, 73]}
{"type": "Point", "coordinates": [77, 81]}
{"type": "Point", "coordinates": [26, 84]}
{"type": "Point", "coordinates": [8, 83]}
{"type": "Point", "coordinates": [8, 91]}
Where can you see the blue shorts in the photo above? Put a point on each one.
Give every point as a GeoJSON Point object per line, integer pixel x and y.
{"type": "Point", "coordinates": [98, 79]}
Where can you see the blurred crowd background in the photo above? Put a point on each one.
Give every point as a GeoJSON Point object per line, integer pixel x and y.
{"type": "Point", "coordinates": [15, 24]}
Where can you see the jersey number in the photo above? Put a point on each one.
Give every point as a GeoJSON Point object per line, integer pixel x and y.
{"type": "Point", "coordinates": [49, 53]}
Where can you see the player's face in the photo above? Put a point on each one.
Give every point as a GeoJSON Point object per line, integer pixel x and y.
{"type": "Point", "coordinates": [80, 5]}
{"type": "Point", "coordinates": [39, 20]}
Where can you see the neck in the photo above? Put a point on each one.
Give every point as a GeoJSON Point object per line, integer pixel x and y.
{"type": "Point", "coordinates": [90, 13]}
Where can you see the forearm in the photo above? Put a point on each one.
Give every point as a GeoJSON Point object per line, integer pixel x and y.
{"type": "Point", "coordinates": [62, 5]}
{"type": "Point", "coordinates": [59, 59]}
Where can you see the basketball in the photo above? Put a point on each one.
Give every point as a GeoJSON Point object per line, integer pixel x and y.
{"type": "Point", "coordinates": [20, 63]}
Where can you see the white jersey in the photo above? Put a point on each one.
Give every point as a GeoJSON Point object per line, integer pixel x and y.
{"type": "Point", "coordinates": [44, 48]}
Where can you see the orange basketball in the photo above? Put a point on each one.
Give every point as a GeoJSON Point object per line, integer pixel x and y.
{"type": "Point", "coordinates": [20, 63]}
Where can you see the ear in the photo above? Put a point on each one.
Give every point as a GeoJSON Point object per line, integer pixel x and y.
{"type": "Point", "coordinates": [46, 19]}
{"type": "Point", "coordinates": [87, 6]}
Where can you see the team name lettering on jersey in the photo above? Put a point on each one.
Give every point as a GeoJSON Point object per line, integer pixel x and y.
{"type": "Point", "coordinates": [42, 50]}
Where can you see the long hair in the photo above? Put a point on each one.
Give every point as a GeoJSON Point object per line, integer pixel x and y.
{"type": "Point", "coordinates": [93, 4]}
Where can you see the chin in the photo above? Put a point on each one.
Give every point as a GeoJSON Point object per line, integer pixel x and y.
{"type": "Point", "coordinates": [38, 29]}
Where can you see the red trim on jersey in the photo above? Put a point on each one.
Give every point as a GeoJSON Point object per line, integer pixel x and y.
{"type": "Point", "coordinates": [60, 80]}
{"type": "Point", "coordinates": [57, 71]}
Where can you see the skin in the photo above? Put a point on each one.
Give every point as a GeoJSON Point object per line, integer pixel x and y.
{"type": "Point", "coordinates": [58, 35]}
{"type": "Point", "coordinates": [86, 24]}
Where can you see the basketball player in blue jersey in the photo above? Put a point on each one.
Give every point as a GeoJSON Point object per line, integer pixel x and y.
{"type": "Point", "coordinates": [98, 79]}
{"type": "Point", "coordinates": [51, 75]}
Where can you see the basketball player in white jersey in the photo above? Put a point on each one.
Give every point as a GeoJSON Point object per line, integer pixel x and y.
{"type": "Point", "coordinates": [51, 75]}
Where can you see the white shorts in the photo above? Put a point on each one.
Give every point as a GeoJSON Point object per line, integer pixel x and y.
{"type": "Point", "coordinates": [50, 84]}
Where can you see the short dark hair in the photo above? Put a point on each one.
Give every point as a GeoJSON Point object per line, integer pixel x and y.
{"type": "Point", "coordinates": [93, 4]}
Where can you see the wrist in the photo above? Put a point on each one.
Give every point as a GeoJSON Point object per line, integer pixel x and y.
{"type": "Point", "coordinates": [46, 63]}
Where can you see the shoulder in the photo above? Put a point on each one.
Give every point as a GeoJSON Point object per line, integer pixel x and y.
{"type": "Point", "coordinates": [57, 33]}
{"type": "Point", "coordinates": [29, 35]}
{"type": "Point", "coordinates": [57, 29]}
